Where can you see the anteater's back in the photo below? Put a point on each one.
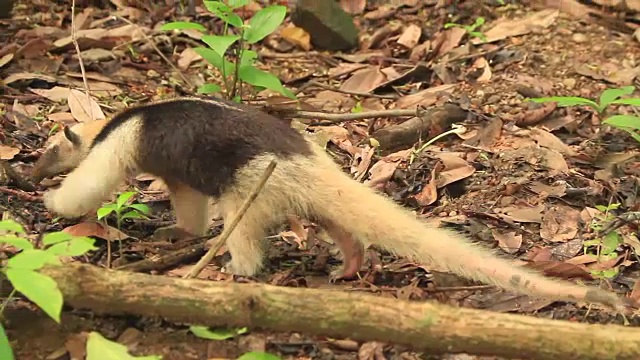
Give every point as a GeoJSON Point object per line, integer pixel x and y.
{"type": "Point", "coordinates": [202, 142]}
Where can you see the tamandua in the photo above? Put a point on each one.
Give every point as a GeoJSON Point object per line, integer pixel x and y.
{"type": "Point", "coordinates": [216, 148]}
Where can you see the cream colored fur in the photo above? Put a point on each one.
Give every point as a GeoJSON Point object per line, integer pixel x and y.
{"type": "Point", "coordinates": [316, 187]}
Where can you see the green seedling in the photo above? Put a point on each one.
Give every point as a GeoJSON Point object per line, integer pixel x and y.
{"type": "Point", "coordinates": [123, 210]}
{"type": "Point", "coordinates": [242, 69]}
{"type": "Point", "coordinates": [22, 270]}
{"type": "Point", "coordinates": [98, 348]}
{"type": "Point", "coordinates": [628, 123]}
{"type": "Point", "coordinates": [216, 334]}
{"type": "Point", "coordinates": [470, 29]}
{"type": "Point", "coordinates": [604, 247]}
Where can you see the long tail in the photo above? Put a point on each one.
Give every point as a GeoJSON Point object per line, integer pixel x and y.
{"type": "Point", "coordinates": [372, 217]}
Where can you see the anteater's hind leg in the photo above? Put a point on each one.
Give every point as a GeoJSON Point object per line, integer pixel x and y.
{"type": "Point", "coordinates": [245, 243]}
{"type": "Point", "coordinates": [352, 250]}
{"type": "Point", "coordinates": [191, 209]}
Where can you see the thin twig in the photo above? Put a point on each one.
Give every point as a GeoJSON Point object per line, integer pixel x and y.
{"type": "Point", "coordinates": [21, 194]}
{"type": "Point", "coordinates": [336, 118]}
{"type": "Point", "coordinates": [228, 228]}
{"type": "Point", "coordinates": [153, 45]}
{"type": "Point", "coordinates": [349, 92]}
{"type": "Point", "coordinates": [75, 44]}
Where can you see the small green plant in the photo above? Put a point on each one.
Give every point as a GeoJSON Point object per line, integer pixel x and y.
{"type": "Point", "coordinates": [470, 29]}
{"type": "Point", "coordinates": [224, 334]}
{"type": "Point", "coordinates": [22, 270]}
{"type": "Point", "coordinates": [98, 347]}
{"type": "Point", "coordinates": [628, 123]}
{"type": "Point", "coordinates": [604, 247]}
{"type": "Point", "coordinates": [237, 36]}
{"type": "Point", "coordinates": [123, 210]}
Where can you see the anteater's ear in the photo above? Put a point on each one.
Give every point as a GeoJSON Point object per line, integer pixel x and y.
{"type": "Point", "coordinates": [71, 136]}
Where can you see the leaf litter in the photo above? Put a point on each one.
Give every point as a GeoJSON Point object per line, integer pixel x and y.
{"type": "Point", "coordinates": [528, 177]}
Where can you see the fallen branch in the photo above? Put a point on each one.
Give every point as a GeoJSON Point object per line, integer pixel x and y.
{"type": "Point", "coordinates": [333, 118]}
{"type": "Point", "coordinates": [424, 126]}
{"type": "Point", "coordinates": [423, 326]}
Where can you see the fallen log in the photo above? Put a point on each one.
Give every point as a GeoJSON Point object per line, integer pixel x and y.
{"type": "Point", "coordinates": [423, 326]}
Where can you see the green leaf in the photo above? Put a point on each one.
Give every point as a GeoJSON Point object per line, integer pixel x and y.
{"type": "Point", "coordinates": [123, 198]}
{"type": "Point", "coordinates": [56, 237]}
{"type": "Point", "coordinates": [133, 214]}
{"type": "Point", "coordinates": [11, 226]}
{"type": "Point", "coordinates": [218, 334]}
{"type": "Point", "coordinates": [6, 352]}
{"type": "Point", "coordinates": [32, 260]}
{"type": "Point", "coordinates": [142, 208]}
{"type": "Point", "coordinates": [100, 348]}
{"type": "Point", "coordinates": [106, 210]}
{"type": "Point", "coordinates": [450, 25]}
{"type": "Point", "coordinates": [256, 77]}
{"type": "Point", "coordinates": [209, 89]}
{"type": "Point", "coordinates": [632, 102]}
{"type": "Point", "coordinates": [564, 101]}
{"type": "Point", "coordinates": [182, 25]}
{"type": "Point", "coordinates": [258, 355]}
{"type": "Point", "coordinates": [16, 241]}
{"type": "Point", "coordinates": [248, 57]}
{"type": "Point", "coordinates": [40, 289]}
{"type": "Point", "coordinates": [610, 242]}
{"type": "Point", "coordinates": [215, 59]}
{"type": "Point", "coordinates": [224, 12]}
{"type": "Point", "coordinates": [623, 121]}
{"type": "Point", "coordinates": [220, 43]}
{"type": "Point", "coordinates": [235, 4]}
{"type": "Point", "coordinates": [217, 7]}
{"type": "Point", "coordinates": [75, 247]}
{"type": "Point", "coordinates": [264, 22]}
{"type": "Point", "coordinates": [610, 95]}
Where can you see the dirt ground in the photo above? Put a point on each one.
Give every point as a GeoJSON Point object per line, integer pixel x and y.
{"type": "Point", "coordinates": [524, 178]}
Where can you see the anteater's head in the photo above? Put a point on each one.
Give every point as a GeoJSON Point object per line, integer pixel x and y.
{"type": "Point", "coordinates": [65, 150]}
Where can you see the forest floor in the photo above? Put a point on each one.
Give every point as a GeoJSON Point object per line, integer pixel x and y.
{"type": "Point", "coordinates": [531, 180]}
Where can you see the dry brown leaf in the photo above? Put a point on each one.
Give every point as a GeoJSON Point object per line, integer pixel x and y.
{"type": "Point", "coordinates": [560, 223]}
{"type": "Point", "coordinates": [482, 63]}
{"type": "Point", "coordinates": [582, 259]}
{"type": "Point", "coordinates": [560, 269]}
{"type": "Point", "coordinates": [28, 76]}
{"type": "Point", "coordinates": [187, 57]}
{"type": "Point", "coordinates": [8, 152]}
{"type": "Point", "coordinates": [92, 34]}
{"type": "Point", "coordinates": [548, 190]}
{"type": "Point", "coordinates": [96, 229]}
{"type": "Point", "coordinates": [538, 254]}
{"type": "Point", "coordinates": [522, 214]}
{"type": "Point", "coordinates": [364, 80]}
{"type": "Point", "coordinates": [56, 93]}
{"type": "Point", "coordinates": [426, 97]}
{"type": "Point", "coordinates": [410, 37]}
{"type": "Point", "coordinates": [4, 60]}
{"type": "Point", "coordinates": [83, 108]}
{"type": "Point", "coordinates": [361, 162]}
{"type": "Point", "coordinates": [449, 39]}
{"type": "Point", "coordinates": [606, 264]}
{"type": "Point", "coordinates": [455, 168]}
{"type": "Point", "coordinates": [548, 140]}
{"type": "Point", "coordinates": [429, 193]}
{"type": "Point", "coordinates": [508, 241]}
{"type": "Point", "coordinates": [297, 36]}
{"type": "Point", "coordinates": [537, 156]}
{"type": "Point", "coordinates": [64, 118]}
{"type": "Point", "coordinates": [515, 27]}
{"type": "Point", "coordinates": [33, 49]}
{"type": "Point", "coordinates": [382, 171]}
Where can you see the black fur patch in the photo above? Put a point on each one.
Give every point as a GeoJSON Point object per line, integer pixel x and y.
{"type": "Point", "coordinates": [202, 144]}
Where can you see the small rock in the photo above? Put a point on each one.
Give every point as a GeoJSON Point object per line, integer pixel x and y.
{"type": "Point", "coordinates": [579, 38]}
{"type": "Point", "coordinates": [330, 27]}
{"type": "Point", "coordinates": [570, 84]}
